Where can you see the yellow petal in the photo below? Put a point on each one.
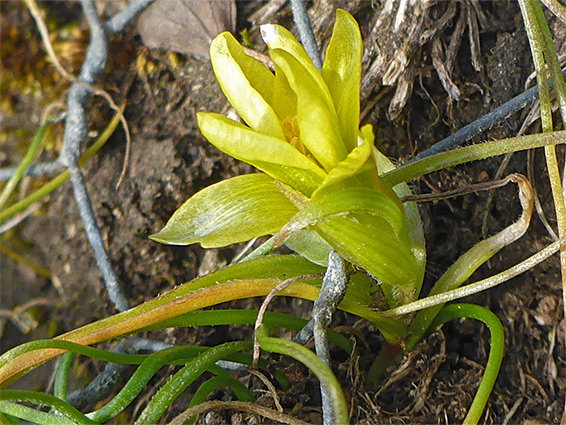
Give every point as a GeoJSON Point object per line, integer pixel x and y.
{"type": "Point", "coordinates": [247, 84]}
{"type": "Point", "coordinates": [277, 37]}
{"type": "Point", "coordinates": [274, 156]}
{"type": "Point", "coordinates": [284, 98]}
{"type": "Point", "coordinates": [342, 72]}
{"type": "Point", "coordinates": [316, 116]}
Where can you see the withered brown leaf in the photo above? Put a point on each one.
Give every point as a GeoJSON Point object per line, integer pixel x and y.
{"type": "Point", "coordinates": [186, 26]}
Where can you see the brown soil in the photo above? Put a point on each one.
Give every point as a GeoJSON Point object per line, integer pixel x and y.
{"type": "Point", "coordinates": [170, 161]}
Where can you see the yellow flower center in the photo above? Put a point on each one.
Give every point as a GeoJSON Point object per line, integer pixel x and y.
{"type": "Point", "coordinates": [292, 134]}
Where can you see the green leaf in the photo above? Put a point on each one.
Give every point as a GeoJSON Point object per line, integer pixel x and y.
{"type": "Point", "coordinates": [318, 123]}
{"type": "Point", "coordinates": [274, 156]}
{"type": "Point", "coordinates": [389, 216]}
{"type": "Point", "coordinates": [234, 210]}
{"type": "Point", "coordinates": [342, 72]}
{"type": "Point", "coordinates": [247, 84]}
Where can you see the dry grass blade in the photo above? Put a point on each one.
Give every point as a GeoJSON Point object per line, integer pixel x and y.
{"type": "Point", "coordinates": [236, 405]}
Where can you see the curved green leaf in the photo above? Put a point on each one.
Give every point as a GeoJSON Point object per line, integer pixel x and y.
{"type": "Point", "coordinates": [234, 210]}
{"type": "Point", "coordinates": [318, 123]}
{"type": "Point", "coordinates": [342, 72]}
{"type": "Point", "coordinates": [250, 279]}
{"type": "Point", "coordinates": [247, 84]}
{"type": "Point", "coordinates": [273, 156]}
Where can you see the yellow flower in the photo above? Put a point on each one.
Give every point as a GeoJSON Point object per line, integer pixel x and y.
{"type": "Point", "coordinates": [322, 187]}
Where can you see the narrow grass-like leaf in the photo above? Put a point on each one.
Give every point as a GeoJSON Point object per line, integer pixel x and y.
{"type": "Point", "coordinates": [310, 360]}
{"type": "Point", "coordinates": [24, 165]}
{"type": "Point", "coordinates": [234, 210]}
{"type": "Point", "coordinates": [466, 154]}
{"type": "Point", "coordinates": [249, 279]}
{"type": "Point", "coordinates": [61, 406]}
{"type": "Point", "coordinates": [47, 188]}
{"type": "Point", "coordinates": [173, 388]}
{"type": "Point", "coordinates": [15, 411]}
{"type": "Point", "coordinates": [497, 345]}
{"type": "Point", "coordinates": [248, 317]}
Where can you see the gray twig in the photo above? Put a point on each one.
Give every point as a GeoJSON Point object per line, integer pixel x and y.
{"type": "Point", "coordinates": [335, 280]}
{"type": "Point", "coordinates": [303, 23]}
{"type": "Point", "coordinates": [482, 124]}
{"type": "Point", "coordinates": [334, 286]}
{"type": "Point", "coordinates": [76, 131]}
{"type": "Point", "coordinates": [117, 23]}
{"type": "Point", "coordinates": [38, 169]}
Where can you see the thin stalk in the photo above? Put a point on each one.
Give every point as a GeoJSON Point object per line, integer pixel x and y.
{"type": "Point", "coordinates": [310, 360]}
{"type": "Point", "coordinates": [541, 41]}
{"type": "Point", "coordinates": [482, 285]}
{"type": "Point", "coordinates": [496, 344]}
{"type": "Point", "coordinates": [25, 262]}
{"type": "Point", "coordinates": [61, 376]}
{"type": "Point", "coordinates": [47, 188]}
{"type": "Point", "coordinates": [47, 400]}
{"type": "Point", "coordinates": [245, 317]}
{"type": "Point", "coordinates": [468, 262]}
{"type": "Point", "coordinates": [24, 165]}
{"type": "Point", "coordinates": [139, 379]}
{"type": "Point", "coordinates": [186, 376]}
{"type": "Point", "coordinates": [29, 414]}
{"type": "Point", "coordinates": [466, 154]}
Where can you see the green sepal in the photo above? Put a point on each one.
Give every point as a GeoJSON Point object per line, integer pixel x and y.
{"type": "Point", "coordinates": [389, 216]}
{"type": "Point", "coordinates": [309, 244]}
{"type": "Point", "coordinates": [414, 222]}
{"type": "Point", "coordinates": [363, 240]}
{"type": "Point", "coordinates": [271, 155]}
{"type": "Point", "coordinates": [234, 210]}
